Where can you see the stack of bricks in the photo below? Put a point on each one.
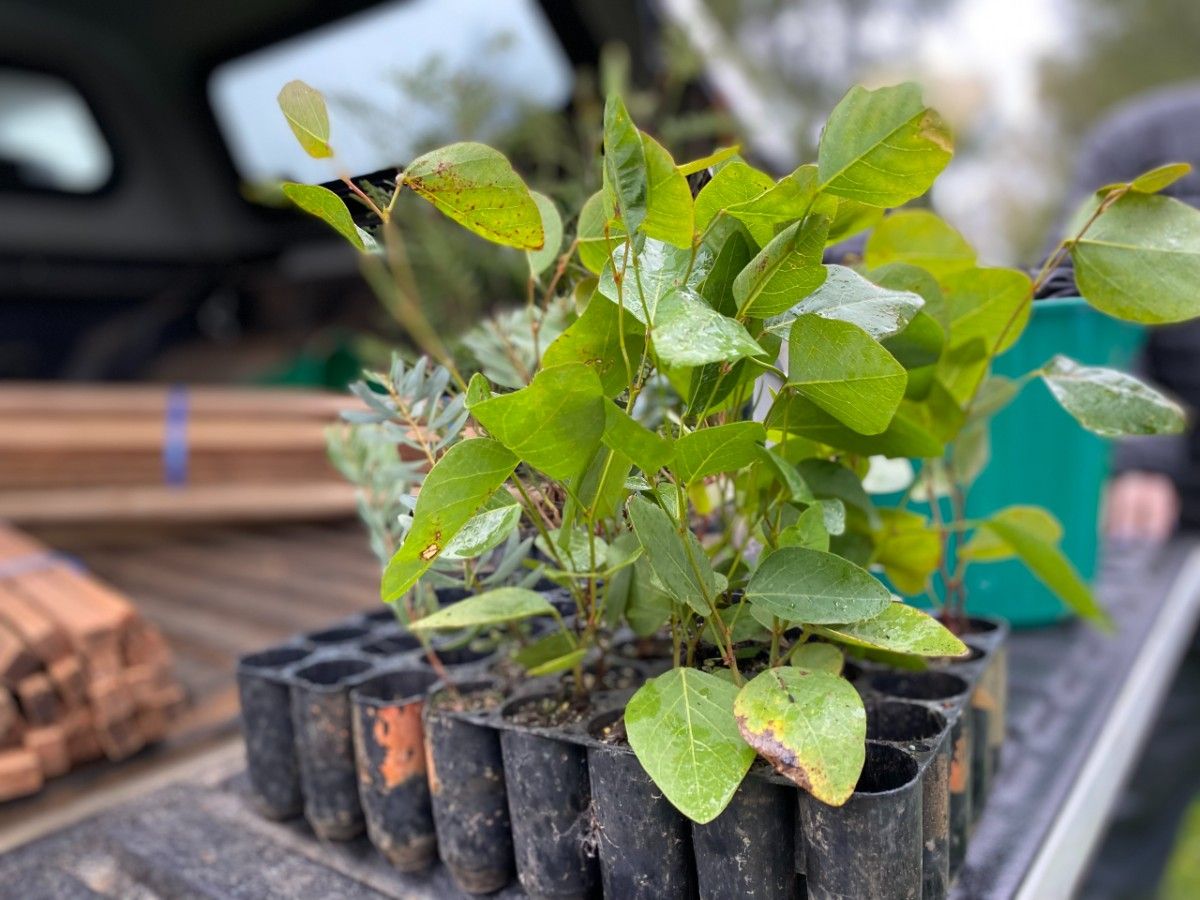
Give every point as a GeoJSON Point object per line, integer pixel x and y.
{"type": "Point", "coordinates": [82, 676]}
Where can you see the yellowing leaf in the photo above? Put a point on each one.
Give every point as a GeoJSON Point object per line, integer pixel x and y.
{"type": "Point", "coordinates": [304, 108]}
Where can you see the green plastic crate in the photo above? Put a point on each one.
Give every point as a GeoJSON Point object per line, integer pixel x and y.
{"type": "Point", "coordinates": [1041, 456]}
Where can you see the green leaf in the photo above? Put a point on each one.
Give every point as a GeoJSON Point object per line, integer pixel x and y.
{"type": "Point", "coordinates": [899, 629]}
{"type": "Point", "coordinates": [919, 345]}
{"type": "Point", "coordinates": [735, 249]}
{"type": "Point", "coordinates": [818, 657]}
{"type": "Point", "coordinates": [544, 650]}
{"type": "Point", "coordinates": [883, 147]}
{"type": "Point", "coordinates": [917, 237]}
{"type": "Point", "coordinates": [991, 305]}
{"type": "Point", "coordinates": [682, 729]}
{"type": "Point", "coordinates": [484, 531]}
{"type": "Point", "coordinates": [787, 474]}
{"type": "Point", "coordinates": [721, 448]}
{"type": "Point", "coordinates": [808, 531]}
{"type": "Point", "coordinates": [598, 234]}
{"type": "Point", "coordinates": [304, 109]}
{"type": "Point", "coordinates": [555, 424]}
{"type": "Point", "coordinates": [900, 276]}
{"type": "Point", "coordinates": [1111, 403]}
{"type": "Point", "coordinates": [908, 434]}
{"type": "Point", "coordinates": [735, 183]}
{"type": "Point", "coordinates": [1141, 260]}
{"type": "Point", "coordinates": [462, 481]}
{"type": "Point", "coordinates": [1160, 177]}
{"type": "Point", "coordinates": [560, 664]}
{"type": "Point", "coordinates": [688, 333]}
{"type": "Point", "coordinates": [986, 546]}
{"type": "Point", "coordinates": [552, 229]}
{"type": "Point", "coordinates": [625, 176]}
{"type": "Point", "coordinates": [841, 369]}
{"type": "Point", "coordinates": [810, 725]}
{"type": "Point", "coordinates": [1049, 566]}
{"type": "Point", "coordinates": [650, 451]}
{"type": "Point", "coordinates": [908, 549]}
{"type": "Point", "coordinates": [852, 218]}
{"type": "Point", "coordinates": [848, 297]}
{"type": "Point", "coordinates": [707, 162]}
{"type": "Point", "coordinates": [326, 206]}
{"type": "Point", "coordinates": [594, 339]}
{"type": "Point", "coordinates": [669, 213]}
{"type": "Point", "coordinates": [785, 202]}
{"type": "Point", "coordinates": [661, 268]}
{"type": "Point", "coordinates": [810, 587]}
{"type": "Point", "coordinates": [784, 271]}
{"type": "Point", "coordinates": [678, 561]}
{"type": "Point", "coordinates": [476, 186]}
{"type": "Point", "coordinates": [647, 607]}
{"type": "Point", "coordinates": [506, 604]}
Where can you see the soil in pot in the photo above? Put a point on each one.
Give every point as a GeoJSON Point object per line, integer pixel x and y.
{"type": "Point", "coordinates": [320, 703]}
{"type": "Point", "coordinates": [390, 751]}
{"type": "Point", "coordinates": [467, 787]}
{"type": "Point", "coordinates": [549, 799]}
{"type": "Point", "coordinates": [870, 846]}
{"type": "Point", "coordinates": [263, 689]}
{"type": "Point", "coordinates": [748, 850]}
{"type": "Point", "coordinates": [643, 842]}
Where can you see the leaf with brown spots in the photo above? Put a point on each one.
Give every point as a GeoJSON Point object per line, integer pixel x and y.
{"type": "Point", "coordinates": [811, 726]}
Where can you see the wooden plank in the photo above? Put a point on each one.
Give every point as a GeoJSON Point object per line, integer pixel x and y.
{"type": "Point", "coordinates": [20, 774]}
{"type": "Point", "coordinates": [16, 662]}
{"type": "Point", "coordinates": [105, 400]}
{"type": "Point", "coordinates": [40, 633]}
{"type": "Point", "coordinates": [49, 744]}
{"type": "Point", "coordinates": [37, 699]}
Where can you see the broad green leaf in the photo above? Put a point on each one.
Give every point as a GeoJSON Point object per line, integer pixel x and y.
{"type": "Point", "coordinates": [733, 253]}
{"type": "Point", "coordinates": [1141, 260]}
{"type": "Point", "coordinates": [304, 108]}
{"type": "Point", "coordinates": [560, 664]}
{"type": "Point", "coordinates": [899, 276]}
{"type": "Point", "coordinates": [818, 657]}
{"type": "Point", "coordinates": [843, 370]}
{"type": "Point", "coordinates": [1160, 177]}
{"type": "Point", "coordinates": [1049, 566]}
{"type": "Point", "coordinates": [810, 725]}
{"type": "Point", "coordinates": [650, 451]}
{"type": "Point", "coordinates": [787, 474]}
{"type": "Point", "coordinates": [625, 176]}
{"type": "Point", "coordinates": [669, 214]}
{"type": "Point", "coordinates": [970, 453]}
{"type": "Point", "coordinates": [678, 561]}
{"type": "Point", "coordinates": [647, 606]}
{"type": "Point", "coordinates": [707, 162]}
{"type": "Point", "coordinates": [917, 237]}
{"type": "Point", "coordinates": [326, 206]}
{"type": "Point", "coordinates": [735, 183]}
{"type": "Point", "coordinates": [899, 629]}
{"type": "Point", "coordinates": [660, 269]}
{"type": "Point", "coordinates": [461, 482]}
{"type": "Point", "coordinates": [601, 489]}
{"type": "Point", "coordinates": [477, 187]}
{"type": "Point", "coordinates": [833, 514]}
{"type": "Point", "coordinates": [986, 546]}
{"type": "Point", "coordinates": [545, 649]}
{"type": "Point", "coordinates": [599, 235]}
{"type": "Point", "coordinates": [908, 549]}
{"type": "Point", "coordinates": [552, 229]}
{"type": "Point", "coordinates": [812, 588]}
{"type": "Point", "coordinates": [721, 448]}
{"type": "Point", "coordinates": [883, 147]}
{"type": "Point", "coordinates": [574, 549]}
{"type": "Point", "coordinates": [852, 218]}
{"type": "Point", "coordinates": [682, 729]}
{"type": "Point", "coordinates": [689, 333]}
{"type": "Point", "coordinates": [785, 271]}
{"type": "Point", "coordinates": [808, 531]}
{"type": "Point", "coordinates": [994, 394]}
{"type": "Point", "coordinates": [595, 339]}
{"type": "Point", "coordinates": [919, 345]}
{"type": "Point", "coordinates": [785, 202]}
{"type": "Point", "coordinates": [1111, 403]}
{"type": "Point", "coordinates": [484, 531]}
{"type": "Point", "coordinates": [908, 434]}
{"type": "Point", "coordinates": [555, 424]}
{"type": "Point", "coordinates": [506, 604]}
{"type": "Point", "coordinates": [992, 305]}
{"type": "Point", "coordinates": [848, 297]}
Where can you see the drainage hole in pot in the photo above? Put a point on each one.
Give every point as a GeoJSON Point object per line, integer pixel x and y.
{"type": "Point", "coordinates": [332, 671]}
{"type": "Point", "coordinates": [547, 711]}
{"type": "Point", "coordinates": [391, 687]}
{"type": "Point", "coordinates": [919, 685]}
{"type": "Point", "coordinates": [468, 697]}
{"type": "Point", "coordinates": [337, 635]}
{"type": "Point", "coordinates": [903, 722]}
{"type": "Point", "coordinates": [609, 728]}
{"type": "Point", "coordinates": [391, 645]}
{"type": "Point", "coordinates": [886, 769]}
{"type": "Point", "coordinates": [275, 658]}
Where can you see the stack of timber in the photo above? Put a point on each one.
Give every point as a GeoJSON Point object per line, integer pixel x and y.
{"type": "Point", "coordinates": [117, 453]}
{"type": "Point", "coordinates": [82, 675]}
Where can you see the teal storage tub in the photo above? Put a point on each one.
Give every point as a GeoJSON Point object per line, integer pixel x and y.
{"type": "Point", "coordinates": [1041, 456]}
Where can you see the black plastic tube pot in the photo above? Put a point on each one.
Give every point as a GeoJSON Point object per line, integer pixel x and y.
{"type": "Point", "coordinates": [459, 657]}
{"type": "Point", "coordinates": [337, 636]}
{"type": "Point", "coordinates": [549, 801]}
{"type": "Point", "coordinates": [748, 850]}
{"type": "Point", "coordinates": [926, 733]}
{"type": "Point", "coordinates": [320, 700]}
{"type": "Point", "coordinates": [390, 646]}
{"type": "Point", "coordinates": [985, 715]}
{"type": "Point", "coordinates": [992, 635]}
{"type": "Point", "coordinates": [643, 842]}
{"type": "Point", "coordinates": [950, 694]}
{"type": "Point", "coordinates": [468, 793]}
{"type": "Point", "coordinates": [871, 846]}
{"type": "Point", "coordinates": [389, 745]}
{"type": "Point", "coordinates": [263, 688]}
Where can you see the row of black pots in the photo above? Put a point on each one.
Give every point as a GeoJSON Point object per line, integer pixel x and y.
{"type": "Point", "coordinates": [571, 812]}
